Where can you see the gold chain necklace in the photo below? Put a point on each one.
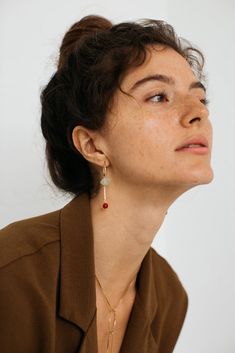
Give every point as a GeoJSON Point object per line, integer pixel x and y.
{"type": "Point", "coordinates": [112, 323]}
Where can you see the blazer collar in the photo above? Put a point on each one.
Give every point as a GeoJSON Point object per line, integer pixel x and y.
{"type": "Point", "coordinates": [77, 282]}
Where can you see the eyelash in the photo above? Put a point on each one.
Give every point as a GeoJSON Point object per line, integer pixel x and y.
{"type": "Point", "coordinates": [205, 101]}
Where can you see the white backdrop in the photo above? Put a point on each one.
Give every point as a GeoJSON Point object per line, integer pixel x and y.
{"type": "Point", "coordinates": [197, 237]}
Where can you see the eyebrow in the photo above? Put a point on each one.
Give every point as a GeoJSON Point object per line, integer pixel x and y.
{"type": "Point", "coordinates": [166, 79]}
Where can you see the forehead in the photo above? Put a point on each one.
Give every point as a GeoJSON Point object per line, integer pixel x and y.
{"type": "Point", "coordinates": [160, 60]}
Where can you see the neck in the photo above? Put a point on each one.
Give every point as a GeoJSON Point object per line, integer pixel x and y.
{"type": "Point", "coordinates": [123, 232]}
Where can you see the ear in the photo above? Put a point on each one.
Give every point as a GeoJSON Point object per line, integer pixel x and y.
{"type": "Point", "coordinates": [87, 143]}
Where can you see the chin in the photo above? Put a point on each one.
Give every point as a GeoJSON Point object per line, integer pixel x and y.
{"type": "Point", "coordinates": [200, 177]}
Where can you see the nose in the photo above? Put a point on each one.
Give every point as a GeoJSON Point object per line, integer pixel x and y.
{"type": "Point", "coordinates": [193, 112]}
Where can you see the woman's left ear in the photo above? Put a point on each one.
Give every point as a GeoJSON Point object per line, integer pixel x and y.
{"type": "Point", "coordinates": [86, 142]}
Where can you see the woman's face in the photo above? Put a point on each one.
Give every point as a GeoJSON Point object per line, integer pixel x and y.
{"type": "Point", "coordinates": [146, 129]}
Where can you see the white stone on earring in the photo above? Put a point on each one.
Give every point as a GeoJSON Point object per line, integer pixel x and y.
{"type": "Point", "coordinates": [105, 181]}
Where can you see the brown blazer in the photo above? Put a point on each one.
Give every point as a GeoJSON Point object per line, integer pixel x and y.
{"type": "Point", "coordinates": [47, 289]}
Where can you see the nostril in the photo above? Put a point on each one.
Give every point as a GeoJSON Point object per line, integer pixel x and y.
{"type": "Point", "coordinates": [191, 121]}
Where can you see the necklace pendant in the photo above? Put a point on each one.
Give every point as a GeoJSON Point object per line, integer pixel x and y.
{"type": "Point", "coordinates": [110, 342]}
{"type": "Point", "coordinates": [112, 321]}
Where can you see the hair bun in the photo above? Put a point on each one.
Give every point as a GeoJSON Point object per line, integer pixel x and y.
{"type": "Point", "coordinates": [87, 26]}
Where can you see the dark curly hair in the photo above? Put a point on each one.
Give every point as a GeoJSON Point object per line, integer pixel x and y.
{"type": "Point", "coordinates": [94, 57]}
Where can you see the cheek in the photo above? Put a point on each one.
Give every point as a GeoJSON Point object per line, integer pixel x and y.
{"type": "Point", "coordinates": [144, 145]}
{"type": "Point", "coordinates": [140, 142]}
{"type": "Point", "coordinates": [155, 148]}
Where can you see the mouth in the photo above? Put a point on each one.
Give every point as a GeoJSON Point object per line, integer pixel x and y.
{"type": "Point", "coordinates": [198, 145]}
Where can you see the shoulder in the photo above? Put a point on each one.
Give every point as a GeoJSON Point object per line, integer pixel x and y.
{"type": "Point", "coordinates": [27, 236]}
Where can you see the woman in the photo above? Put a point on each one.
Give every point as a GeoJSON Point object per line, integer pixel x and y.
{"type": "Point", "coordinates": [126, 125]}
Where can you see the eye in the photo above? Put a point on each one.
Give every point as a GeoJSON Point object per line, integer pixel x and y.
{"type": "Point", "coordinates": [205, 101]}
{"type": "Point", "coordinates": [158, 97]}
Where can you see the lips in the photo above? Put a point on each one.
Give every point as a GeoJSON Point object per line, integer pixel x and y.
{"type": "Point", "coordinates": [194, 142]}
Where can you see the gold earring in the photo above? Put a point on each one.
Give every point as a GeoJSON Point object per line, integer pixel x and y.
{"type": "Point", "coordinates": [105, 181]}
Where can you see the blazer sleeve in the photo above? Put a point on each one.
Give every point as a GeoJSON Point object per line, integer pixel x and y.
{"type": "Point", "coordinates": [29, 278]}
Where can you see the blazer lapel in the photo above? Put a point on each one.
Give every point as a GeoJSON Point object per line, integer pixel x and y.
{"type": "Point", "coordinates": [89, 343]}
{"type": "Point", "coordinates": [138, 336]}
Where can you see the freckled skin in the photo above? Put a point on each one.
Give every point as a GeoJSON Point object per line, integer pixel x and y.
{"type": "Point", "coordinates": [144, 134]}
{"type": "Point", "coordinates": [147, 175]}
